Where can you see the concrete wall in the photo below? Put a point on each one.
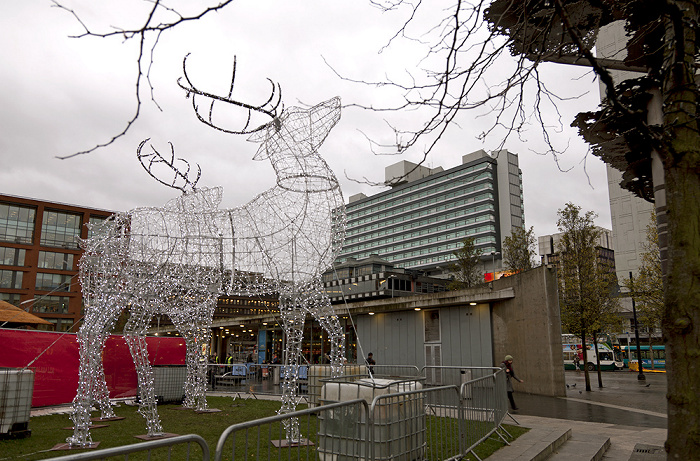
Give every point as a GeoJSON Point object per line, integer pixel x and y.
{"type": "Point", "coordinates": [528, 327]}
{"type": "Point", "coordinates": [518, 315]}
{"type": "Point", "coordinates": [398, 338]}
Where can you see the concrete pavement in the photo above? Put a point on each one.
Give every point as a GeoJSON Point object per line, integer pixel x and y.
{"type": "Point", "coordinates": [628, 412]}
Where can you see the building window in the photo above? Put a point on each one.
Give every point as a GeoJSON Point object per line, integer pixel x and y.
{"type": "Point", "coordinates": [95, 221]}
{"type": "Point", "coordinates": [11, 279]}
{"type": "Point", "coordinates": [51, 305]}
{"type": "Point", "coordinates": [52, 282]}
{"type": "Point", "coordinates": [17, 223]}
{"type": "Point", "coordinates": [52, 260]}
{"type": "Point", "coordinates": [12, 256]}
{"type": "Point", "coordinates": [60, 324]}
{"type": "Point", "coordinates": [12, 298]}
{"type": "Point", "coordinates": [60, 229]}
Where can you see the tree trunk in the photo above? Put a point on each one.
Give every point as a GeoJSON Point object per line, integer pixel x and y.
{"type": "Point", "coordinates": [682, 316]}
{"type": "Point", "coordinates": [584, 349]}
{"type": "Point", "coordinates": [597, 359]}
{"type": "Point", "coordinates": [681, 321]}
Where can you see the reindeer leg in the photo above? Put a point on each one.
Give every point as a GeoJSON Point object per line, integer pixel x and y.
{"type": "Point", "coordinates": [134, 334]}
{"type": "Point", "coordinates": [293, 316]}
{"type": "Point", "coordinates": [321, 309]}
{"type": "Point", "coordinates": [81, 403]}
{"type": "Point", "coordinates": [197, 335]}
{"type": "Point", "coordinates": [199, 381]}
{"type": "Point", "coordinates": [100, 391]}
{"type": "Point", "coordinates": [186, 330]}
{"type": "Point", "coordinates": [191, 358]}
{"type": "Point", "coordinates": [195, 384]}
{"type": "Point", "coordinates": [91, 380]}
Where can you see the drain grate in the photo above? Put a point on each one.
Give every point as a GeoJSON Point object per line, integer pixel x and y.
{"type": "Point", "coordinates": [643, 452]}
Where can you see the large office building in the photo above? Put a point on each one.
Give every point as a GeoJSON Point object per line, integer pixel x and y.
{"type": "Point", "coordinates": [425, 217]}
{"type": "Point", "coordinates": [549, 246]}
{"type": "Point", "coordinates": [39, 256]}
{"type": "Point", "coordinates": [630, 214]}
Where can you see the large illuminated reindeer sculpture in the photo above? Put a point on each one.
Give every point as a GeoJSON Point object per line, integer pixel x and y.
{"type": "Point", "coordinates": [290, 234]}
{"type": "Point", "coordinates": [149, 261]}
{"type": "Point", "coordinates": [177, 259]}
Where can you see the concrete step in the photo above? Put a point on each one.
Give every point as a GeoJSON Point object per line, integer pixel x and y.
{"type": "Point", "coordinates": [581, 447]}
{"type": "Point", "coordinates": [535, 445]}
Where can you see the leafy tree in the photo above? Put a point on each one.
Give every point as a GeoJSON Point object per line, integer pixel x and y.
{"type": "Point", "coordinates": [647, 287]}
{"type": "Point", "coordinates": [467, 269]}
{"type": "Point", "coordinates": [519, 249]}
{"type": "Point", "coordinates": [586, 282]}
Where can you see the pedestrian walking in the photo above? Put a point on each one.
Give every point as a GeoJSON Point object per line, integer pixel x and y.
{"type": "Point", "coordinates": [370, 362]}
{"type": "Point", "coordinates": [577, 362]}
{"type": "Point", "coordinates": [510, 375]}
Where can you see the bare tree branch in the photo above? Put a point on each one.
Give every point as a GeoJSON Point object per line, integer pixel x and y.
{"type": "Point", "coordinates": [466, 54]}
{"type": "Point", "coordinates": [142, 33]}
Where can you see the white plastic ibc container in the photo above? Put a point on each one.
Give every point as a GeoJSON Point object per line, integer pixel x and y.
{"type": "Point", "coordinates": [321, 372]}
{"type": "Point", "coordinates": [169, 383]}
{"type": "Point", "coordinates": [397, 427]}
{"type": "Point", "coordinates": [16, 388]}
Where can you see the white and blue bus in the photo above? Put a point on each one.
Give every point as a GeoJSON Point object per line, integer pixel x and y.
{"type": "Point", "coordinates": [609, 358]}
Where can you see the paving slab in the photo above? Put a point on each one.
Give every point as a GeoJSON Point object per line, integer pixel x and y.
{"type": "Point", "coordinates": [623, 439]}
{"type": "Point", "coordinates": [582, 447]}
{"type": "Point", "coordinates": [536, 444]}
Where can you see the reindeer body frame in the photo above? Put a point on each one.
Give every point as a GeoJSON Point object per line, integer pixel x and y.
{"type": "Point", "coordinates": [174, 260]}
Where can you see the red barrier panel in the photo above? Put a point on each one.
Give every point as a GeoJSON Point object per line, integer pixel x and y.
{"type": "Point", "coordinates": [54, 358]}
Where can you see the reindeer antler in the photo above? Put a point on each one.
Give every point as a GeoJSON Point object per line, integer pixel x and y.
{"type": "Point", "coordinates": [155, 158]}
{"type": "Point", "coordinates": [269, 107]}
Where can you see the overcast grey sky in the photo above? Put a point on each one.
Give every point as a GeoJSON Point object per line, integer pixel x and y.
{"type": "Point", "coordinates": [61, 95]}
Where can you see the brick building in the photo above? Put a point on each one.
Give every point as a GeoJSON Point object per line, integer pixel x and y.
{"type": "Point", "coordinates": [39, 255]}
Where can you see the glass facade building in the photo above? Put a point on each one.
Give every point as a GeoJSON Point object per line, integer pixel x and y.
{"type": "Point", "coordinates": [419, 223]}
{"type": "Point", "coordinates": [39, 253]}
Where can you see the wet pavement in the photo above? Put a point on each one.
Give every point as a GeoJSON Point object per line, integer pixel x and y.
{"type": "Point", "coordinates": [623, 400]}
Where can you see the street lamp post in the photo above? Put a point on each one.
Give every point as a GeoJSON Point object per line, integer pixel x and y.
{"type": "Point", "coordinates": [493, 266]}
{"type": "Point", "coordinates": [640, 376]}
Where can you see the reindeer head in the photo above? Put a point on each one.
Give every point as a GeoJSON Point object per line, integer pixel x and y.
{"type": "Point", "coordinates": [290, 138]}
{"type": "Point", "coordinates": [296, 127]}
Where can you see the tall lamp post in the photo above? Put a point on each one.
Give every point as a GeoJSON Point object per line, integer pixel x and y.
{"type": "Point", "coordinates": [640, 376]}
{"type": "Point", "coordinates": [493, 266]}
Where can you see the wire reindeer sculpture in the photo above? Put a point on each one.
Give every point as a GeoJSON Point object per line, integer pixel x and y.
{"type": "Point", "coordinates": [178, 259]}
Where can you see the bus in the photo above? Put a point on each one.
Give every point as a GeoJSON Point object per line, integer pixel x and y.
{"type": "Point", "coordinates": [654, 360]}
{"type": "Point", "coordinates": [609, 357]}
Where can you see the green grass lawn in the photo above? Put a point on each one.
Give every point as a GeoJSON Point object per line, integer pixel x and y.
{"type": "Point", "coordinates": [48, 431]}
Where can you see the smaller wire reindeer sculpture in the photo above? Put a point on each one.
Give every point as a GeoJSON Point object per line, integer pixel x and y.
{"type": "Point", "coordinates": [177, 259]}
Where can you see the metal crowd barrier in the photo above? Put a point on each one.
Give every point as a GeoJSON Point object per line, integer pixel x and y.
{"type": "Point", "coordinates": [358, 417]}
{"type": "Point", "coordinates": [151, 448]}
{"type": "Point", "coordinates": [325, 430]}
{"type": "Point", "coordinates": [485, 406]}
{"type": "Point", "coordinates": [381, 418]}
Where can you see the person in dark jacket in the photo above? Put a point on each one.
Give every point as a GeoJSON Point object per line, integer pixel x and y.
{"type": "Point", "coordinates": [510, 375]}
{"type": "Point", "coordinates": [370, 363]}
